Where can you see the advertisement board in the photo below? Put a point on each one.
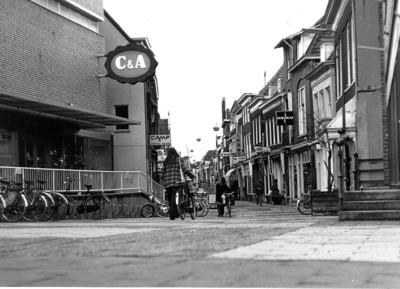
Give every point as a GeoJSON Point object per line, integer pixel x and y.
{"type": "Point", "coordinates": [160, 140]}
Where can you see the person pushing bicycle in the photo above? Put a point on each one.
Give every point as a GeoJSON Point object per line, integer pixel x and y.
{"type": "Point", "coordinates": [222, 189]}
{"type": "Point", "coordinates": [173, 164]}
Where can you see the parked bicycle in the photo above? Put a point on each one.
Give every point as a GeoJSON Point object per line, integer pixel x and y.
{"type": "Point", "coordinates": [304, 204]}
{"type": "Point", "coordinates": [14, 202]}
{"type": "Point", "coordinates": [90, 202]}
{"type": "Point", "coordinates": [202, 204]}
{"type": "Point", "coordinates": [37, 203]}
{"type": "Point", "coordinates": [155, 207]}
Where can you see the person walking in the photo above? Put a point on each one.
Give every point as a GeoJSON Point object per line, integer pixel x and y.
{"type": "Point", "coordinates": [173, 163]}
{"type": "Point", "coordinates": [259, 193]}
{"type": "Point", "coordinates": [221, 188]}
{"type": "Point", "coordinates": [276, 197]}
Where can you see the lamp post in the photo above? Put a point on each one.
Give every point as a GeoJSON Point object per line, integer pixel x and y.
{"type": "Point", "coordinates": [216, 129]}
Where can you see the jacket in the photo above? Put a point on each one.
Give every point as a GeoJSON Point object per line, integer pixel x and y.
{"type": "Point", "coordinates": [172, 174]}
{"type": "Point", "coordinates": [220, 189]}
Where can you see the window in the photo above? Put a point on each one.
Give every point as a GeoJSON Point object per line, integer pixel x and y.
{"type": "Point", "coordinates": [301, 106]}
{"type": "Point", "coordinates": [69, 13]}
{"type": "Point", "coordinates": [329, 100]}
{"type": "Point", "coordinates": [339, 69]}
{"type": "Point", "coordinates": [316, 106]}
{"type": "Point", "coordinates": [322, 104]}
{"type": "Point", "coordinates": [122, 111]}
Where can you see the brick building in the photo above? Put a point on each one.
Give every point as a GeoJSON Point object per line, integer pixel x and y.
{"type": "Point", "coordinates": [57, 110]}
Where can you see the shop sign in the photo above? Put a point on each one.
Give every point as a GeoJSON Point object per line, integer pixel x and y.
{"type": "Point", "coordinates": [131, 64]}
{"type": "Point", "coordinates": [238, 159]}
{"type": "Point", "coordinates": [160, 155]}
{"type": "Point", "coordinates": [160, 140]}
{"type": "Point", "coordinates": [284, 118]}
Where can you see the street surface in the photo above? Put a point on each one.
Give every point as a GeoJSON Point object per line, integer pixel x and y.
{"type": "Point", "coordinates": [268, 246]}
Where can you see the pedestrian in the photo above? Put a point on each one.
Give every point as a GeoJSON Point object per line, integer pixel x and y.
{"type": "Point", "coordinates": [221, 188]}
{"type": "Point", "coordinates": [156, 177]}
{"type": "Point", "coordinates": [259, 193]}
{"type": "Point", "coordinates": [173, 163]}
{"type": "Point", "coordinates": [276, 197]}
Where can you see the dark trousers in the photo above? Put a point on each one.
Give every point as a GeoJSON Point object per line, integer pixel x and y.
{"type": "Point", "coordinates": [220, 209]}
{"type": "Point", "coordinates": [173, 209]}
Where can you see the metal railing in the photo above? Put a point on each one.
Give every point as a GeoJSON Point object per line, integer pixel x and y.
{"type": "Point", "coordinates": [116, 182]}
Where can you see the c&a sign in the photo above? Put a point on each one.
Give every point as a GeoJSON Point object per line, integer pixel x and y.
{"type": "Point", "coordinates": [130, 64]}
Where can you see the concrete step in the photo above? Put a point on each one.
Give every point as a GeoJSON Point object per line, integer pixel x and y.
{"type": "Point", "coordinates": [374, 205]}
{"type": "Point", "coordinates": [371, 195]}
{"type": "Point", "coordinates": [379, 215]}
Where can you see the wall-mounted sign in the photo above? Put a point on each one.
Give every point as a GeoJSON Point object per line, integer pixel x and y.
{"type": "Point", "coordinates": [160, 140]}
{"type": "Point", "coordinates": [284, 118]}
{"type": "Point", "coordinates": [238, 159]}
{"type": "Point", "coordinates": [130, 64]}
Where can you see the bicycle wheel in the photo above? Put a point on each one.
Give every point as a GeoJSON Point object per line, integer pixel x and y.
{"type": "Point", "coordinates": [162, 210]}
{"type": "Point", "coordinates": [182, 212]}
{"type": "Point", "coordinates": [205, 208]}
{"type": "Point", "coordinates": [194, 210]}
{"type": "Point", "coordinates": [147, 211]}
{"type": "Point", "coordinates": [2, 204]}
{"type": "Point", "coordinates": [36, 210]}
{"type": "Point", "coordinates": [229, 207]}
{"type": "Point", "coordinates": [61, 207]}
{"type": "Point", "coordinates": [304, 207]}
{"type": "Point", "coordinates": [50, 205]}
{"type": "Point", "coordinates": [93, 204]}
{"type": "Point", "coordinates": [200, 210]}
{"type": "Point", "coordinates": [15, 210]}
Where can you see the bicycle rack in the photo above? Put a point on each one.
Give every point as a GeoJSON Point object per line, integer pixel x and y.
{"type": "Point", "coordinates": [114, 211]}
{"type": "Point", "coordinates": [126, 211]}
{"type": "Point", "coordinates": [105, 215]}
{"type": "Point", "coordinates": [139, 209]}
{"type": "Point", "coordinates": [133, 210]}
{"type": "Point", "coordinates": [119, 210]}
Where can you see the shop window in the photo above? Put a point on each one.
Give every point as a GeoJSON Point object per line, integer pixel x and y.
{"type": "Point", "coordinates": [75, 153]}
{"type": "Point", "coordinates": [99, 151]}
{"type": "Point", "coordinates": [8, 147]}
{"type": "Point", "coordinates": [122, 111]}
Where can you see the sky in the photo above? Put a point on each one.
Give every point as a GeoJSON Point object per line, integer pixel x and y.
{"type": "Point", "coordinates": [208, 50]}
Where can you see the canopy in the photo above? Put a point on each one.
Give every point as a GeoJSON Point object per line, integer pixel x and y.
{"type": "Point", "coordinates": [230, 176]}
{"type": "Point", "coordinates": [62, 111]}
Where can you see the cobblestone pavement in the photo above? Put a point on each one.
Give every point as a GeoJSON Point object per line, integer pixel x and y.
{"type": "Point", "coordinates": [268, 246]}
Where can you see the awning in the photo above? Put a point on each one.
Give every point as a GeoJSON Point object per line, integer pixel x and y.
{"type": "Point", "coordinates": [230, 176]}
{"type": "Point", "coordinates": [57, 110]}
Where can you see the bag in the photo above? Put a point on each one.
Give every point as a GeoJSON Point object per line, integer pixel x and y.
{"type": "Point", "coordinates": [181, 172]}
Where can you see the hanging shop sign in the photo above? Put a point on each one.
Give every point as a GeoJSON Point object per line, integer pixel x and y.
{"type": "Point", "coordinates": [284, 118]}
{"type": "Point", "coordinates": [131, 64]}
{"type": "Point", "coordinates": [160, 140]}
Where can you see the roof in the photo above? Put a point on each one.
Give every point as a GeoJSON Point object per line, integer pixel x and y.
{"type": "Point", "coordinates": [273, 81]}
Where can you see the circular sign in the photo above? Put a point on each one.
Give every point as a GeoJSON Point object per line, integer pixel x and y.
{"type": "Point", "coordinates": [131, 64]}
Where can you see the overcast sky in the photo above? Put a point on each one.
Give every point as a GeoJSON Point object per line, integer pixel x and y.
{"type": "Point", "coordinates": [210, 49]}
